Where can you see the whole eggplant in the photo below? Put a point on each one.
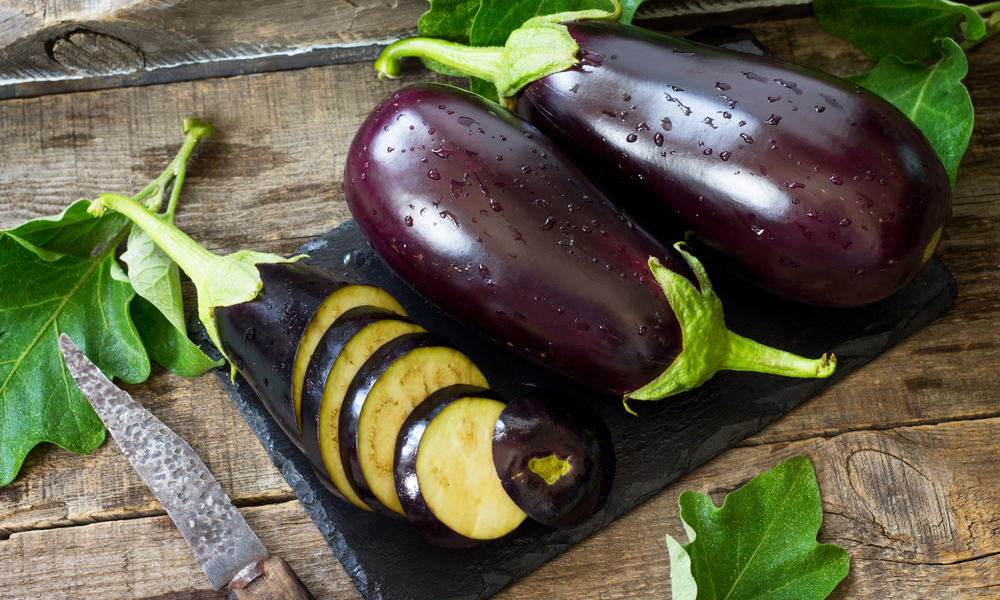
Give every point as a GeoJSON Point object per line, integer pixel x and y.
{"type": "Point", "coordinates": [819, 190]}
{"type": "Point", "coordinates": [485, 216]}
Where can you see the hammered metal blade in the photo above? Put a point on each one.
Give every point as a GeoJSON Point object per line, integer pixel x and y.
{"type": "Point", "coordinates": [221, 540]}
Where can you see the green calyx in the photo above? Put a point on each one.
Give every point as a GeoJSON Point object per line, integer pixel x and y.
{"type": "Point", "coordinates": [541, 46]}
{"type": "Point", "coordinates": [708, 345]}
{"type": "Point", "coordinates": [219, 280]}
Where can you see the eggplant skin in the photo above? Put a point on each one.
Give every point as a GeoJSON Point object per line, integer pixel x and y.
{"type": "Point", "coordinates": [817, 189]}
{"type": "Point", "coordinates": [261, 337]}
{"type": "Point", "coordinates": [545, 425]}
{"type": "Point", "coordinates": [492, 222]}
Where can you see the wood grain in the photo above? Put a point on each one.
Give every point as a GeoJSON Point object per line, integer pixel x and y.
{"type": "Point", "coordinates": [74, 45]}
{"type": "Point", "coordinates": [918, 514]}
{"type": "Point", "coordinates": [906, 449]}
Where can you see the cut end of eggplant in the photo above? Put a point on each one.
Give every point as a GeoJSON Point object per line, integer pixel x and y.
{"type": "Point", "coordinates": [554, 457]}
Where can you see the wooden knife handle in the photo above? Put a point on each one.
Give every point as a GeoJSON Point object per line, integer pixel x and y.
{"type": "Point", "coordinates": [276, 582]}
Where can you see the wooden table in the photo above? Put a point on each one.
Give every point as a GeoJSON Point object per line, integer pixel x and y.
{"type": "Point", "coordinates": [907, 449]}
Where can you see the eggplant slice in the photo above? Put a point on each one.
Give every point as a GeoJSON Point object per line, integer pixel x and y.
{"type": "Point", "coordinates": [355, 353]}
{"type": "Point", "coordinates": [387, 387]}
{"type": "Point", "coordinates": [445, 478]}
{"type": "Point", "coordinates": [336, 304]}
{"type": "Point", "coordinates": [314, 396]}
{"type": "Point", "coordinates": [554, 456]}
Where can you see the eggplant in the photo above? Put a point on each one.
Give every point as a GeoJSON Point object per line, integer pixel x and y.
{"type": "Point", "coordinates": [812, 187]}
{"type": "Point", "coordinates": [323, 388]}
{"type": "Point", "coordinates": [554, 457]}
{"type": "Point", "coordinates": [486, 217]}
{"type": "Point", "coordinates": [387, 387]}
{"type": "Point", "coordinates": [444, 472]}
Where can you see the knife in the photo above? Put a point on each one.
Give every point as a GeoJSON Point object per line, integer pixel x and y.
{"type": "Point", "coordinates": [229, 552]}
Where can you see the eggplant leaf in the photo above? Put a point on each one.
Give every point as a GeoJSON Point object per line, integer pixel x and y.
{"type": "Point", "coordinates": [167, 345]}
{"type": "Point", "coordinates": [447, 20]}
{"type": "Point", "coordinates": [761, 544]}
{"type": "Point", "coordinates": [932, 96]}
{"type": "Point", "coordinates": [904, 28]}
{"type": "Point", "coordinates": [79, 296]}
{"type": "Point", "coordinates": [160, 314]}
{"type": "Point", "coordinates": [74, 232]}
{"type": "Point", "coordinates": [154, 276]}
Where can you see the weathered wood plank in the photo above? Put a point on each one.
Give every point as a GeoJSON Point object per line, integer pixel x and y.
{"type": "Point", "coordinates": [270, 180]}
{"type": "Point", "coordinates": [916, 510]}
{"type": "Point", "coordinates": [75, 45]}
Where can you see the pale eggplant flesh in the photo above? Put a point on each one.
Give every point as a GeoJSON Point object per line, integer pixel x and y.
{"type": "Point", "coordinates": [321, 364]}
{"type": "Point", "coordinates": [387, 387]}
{"type": "Point", "coordinates": [447, 464]}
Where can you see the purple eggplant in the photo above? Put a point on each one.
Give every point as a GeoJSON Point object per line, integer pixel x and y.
{"type": "Point", "coordinates": [261, 337]}
{"type": "Point", "coordinates": [814, 188]}
{"type": "Point", "coordinates": [485, 216]}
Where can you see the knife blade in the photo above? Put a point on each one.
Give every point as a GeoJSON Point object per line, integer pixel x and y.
{"type": "Point", "coordinates": [229, 552]}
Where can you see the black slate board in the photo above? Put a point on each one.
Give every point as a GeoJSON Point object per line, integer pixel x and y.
{"type": "Point", "coordinates": [388, 559]}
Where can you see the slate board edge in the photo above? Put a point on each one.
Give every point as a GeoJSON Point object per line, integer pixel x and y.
{"type": "Point", "coordinates": [295, 468]}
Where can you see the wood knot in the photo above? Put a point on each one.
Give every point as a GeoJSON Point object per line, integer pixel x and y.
{"type": "Point", "coordinates": [90, 53]}
{"type": "Point", "coordinates": [902, 499]}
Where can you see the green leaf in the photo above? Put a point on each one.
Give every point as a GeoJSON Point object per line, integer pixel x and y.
{"type": "Point", "coordinates": [761, 544]}
{"type": "Point", "coordinates": [39, 401]}
{"type": "Point", "coordinates": [932, 96]}
{"type": "Point", "coordinates": [154, 276]}
{"type": "Point", "coordinates": [628, 10]}
{"type": "Point", "coordinates": [905, 28]}
{"type": "Point", "coordinates": [447, 20]}
{"type": "Point", "coordinates": [167, 345]}
{"type": "Point", "coordinates": [73, 232]}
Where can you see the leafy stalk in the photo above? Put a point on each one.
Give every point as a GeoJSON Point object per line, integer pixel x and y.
{"type": "Point", "coordinates": [60, 275]}
{"type": "Point", "coordinates": [219, 280]}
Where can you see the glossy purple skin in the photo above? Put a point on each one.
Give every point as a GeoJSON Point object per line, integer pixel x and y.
{"type": "Point", "coordinates": [262, 336]}
{"type": "Point", "coordinates": [821, 191]}
{"type": "Point", "coordinates": [405, 465]}
{"type": "Point", "coordinates": [545, 423]}
{"type": "Point", "coordinates": [327, 351]}
{"type": "Point", "coordinates": [488, 219]}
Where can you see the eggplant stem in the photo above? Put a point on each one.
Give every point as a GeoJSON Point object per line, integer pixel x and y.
{"type": "Point", "coordinates": [708, 345]}
{"type": "Point", "coordinates": [540, 46]}
{"type": "Point", "coordinates": [482, 62]}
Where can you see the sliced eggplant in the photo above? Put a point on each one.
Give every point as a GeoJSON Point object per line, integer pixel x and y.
{"type": "Point", "coordinates": [445, 449]}
{"type": "Point", "coordinates": [554, 457]}
{"type": "Point", "coordinates": [333, 306]}
{"type": "Point", "coordinates": [387, 387]}
{"type": "Point", "coordinates": [320, 366]}
{"type": "Point", "coordinates": [261, 337]}
{"type": "Point", "coordinates": [354, 354]}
